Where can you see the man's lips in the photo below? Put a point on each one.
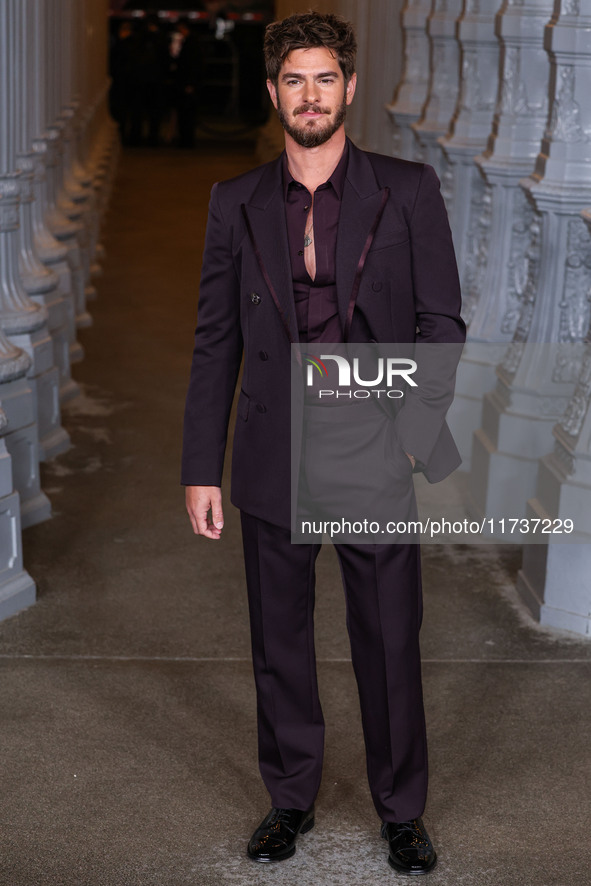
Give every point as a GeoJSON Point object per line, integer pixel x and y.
{"type": "Point", "coordinates": [311, 113]}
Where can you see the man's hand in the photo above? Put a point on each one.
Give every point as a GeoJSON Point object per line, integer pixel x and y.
{"type": "Point", "coordinates": [413, 460]}
{"type": "Point", "coordinates": [200, 500]}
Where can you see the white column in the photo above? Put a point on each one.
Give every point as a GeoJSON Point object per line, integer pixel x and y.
{"type": "Point", "coordinates": [464, 186]}
{"type": "Point", "coordinates": [533, 384]}
{"type": "Point", "coordinates": [495, 287]}
{"type": "Point", "coordinates": [21, 319]}
{"type": "Point", "coordinates": [54, 254]}
{"type": "Point", "coordinates": [40, 281]}
{"type": "Point", "coordinates": [444, 83]}
{"type": "Point", "coordinates": [554, 578]}
{"type": "Point", "coordinates": [499, 237]}
{"type": "Point", "coordinates": [411, 92]}
{"type": "Point", "coordinates": [78, 197]}
{"type": "Point", "coordinates": [61, 215]}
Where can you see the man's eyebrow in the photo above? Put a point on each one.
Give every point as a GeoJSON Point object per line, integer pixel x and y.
{"type": "Point", "coordinates": [296, 74]}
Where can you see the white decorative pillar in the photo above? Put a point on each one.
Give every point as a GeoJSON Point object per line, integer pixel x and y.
{"type": "Point", "coordinates": [76, 200]}
{"type": "Point", "coordinates": [499, 237]}
{"type": "Point", "coordinates": [411, 92]}
{"type": "Point", "coordinates": [444, 83]}
{"type": "Point", "coordinates": [21, 319]}
{"type": "Point", "coordinates": [60, 214]}
{"type": "Point", "coordinates": [464, 187]}
{"type": "Point", "coordinates": [535, 382]}
{"type": "Point", "coordinates": [554, 578]}
{"type": "Point", "coordinates": [55, 237]}
{"type": "Point", "coordinates": [41, 282]}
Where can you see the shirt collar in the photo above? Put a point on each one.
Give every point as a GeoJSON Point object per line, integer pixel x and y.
{"type": "Point", "coordinates": [337, 179]}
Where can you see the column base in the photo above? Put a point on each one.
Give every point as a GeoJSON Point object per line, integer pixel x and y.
{"type": "Point", "coordinates": [565, 621]}
{"type": "Point", "coordinates": [53, 444]}
{"type": "Point", "coordinates": [17, 588]}
{"type": "Point", "coordinates": [35, 510]}
{"type": "Point", "coordinates": [17, 594]}
{"type": "Point", "coordinates": [506, 455]}
{"type": "Point", "coordinates": [500, 482]}
{"type": "Point", "coordinates": [556, 574]}
{"type": "Point", "coordinates": [476, 377]}
{"type": "Point", "coordinates": [69, 390]}
{"type": "Point", "coordinates": [22, 444]}
{"type": "Point", "coordinates": [547, 579]}
{"type": "Point", "coordinates": [463, 418]}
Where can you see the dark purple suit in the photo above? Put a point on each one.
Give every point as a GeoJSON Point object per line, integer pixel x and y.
{"type": "Point", "coordinates": [396, 282]}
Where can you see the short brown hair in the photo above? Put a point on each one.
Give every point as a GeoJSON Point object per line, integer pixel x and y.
{"type": "Point", "coordinates": [306, 30]}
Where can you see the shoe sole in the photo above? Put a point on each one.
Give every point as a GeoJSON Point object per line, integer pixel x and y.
{"type": "Point", "coordinates": [400, 870]}
{"type": "Point", "coordinates": [307, 827]}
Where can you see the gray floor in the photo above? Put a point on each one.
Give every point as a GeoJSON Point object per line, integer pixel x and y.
{"type": "Point", "coordinates": [128, 729]}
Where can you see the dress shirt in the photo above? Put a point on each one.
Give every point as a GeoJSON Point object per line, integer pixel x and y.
{"type": "Point", "coordinates": [315, 300]}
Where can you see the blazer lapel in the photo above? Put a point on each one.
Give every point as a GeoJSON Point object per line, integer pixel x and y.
{"type": "Point", "coordinates": [362, 204]}
{"type": "Point", "coordinates": [265, 216]}
{"type": "Point", "coordinates": [361, 208]}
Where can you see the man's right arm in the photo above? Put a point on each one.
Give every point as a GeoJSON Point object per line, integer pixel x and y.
{"type": "Point", "coordinates": [214, 372]}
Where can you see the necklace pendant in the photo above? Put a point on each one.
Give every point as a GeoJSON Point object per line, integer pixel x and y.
{"type": "Point", "coordinates": [307, 241]}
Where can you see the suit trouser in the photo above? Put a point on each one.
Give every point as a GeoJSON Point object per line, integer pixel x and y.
{"type": "Point", "coordinates": [382, 586]}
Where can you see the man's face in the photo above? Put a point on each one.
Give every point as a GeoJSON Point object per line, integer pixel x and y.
{"type": "Point", "coordinates": [310, 96]}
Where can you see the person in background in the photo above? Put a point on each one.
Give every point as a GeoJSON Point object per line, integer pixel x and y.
{"type": "Point", "coordinates": [185, 69]}
{"type": "Point", "coordinates": [120, 62]}
{"type": "Point", "coordinates": [148, 69]}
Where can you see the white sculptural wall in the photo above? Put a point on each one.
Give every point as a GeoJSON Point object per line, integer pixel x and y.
{"type": "Point", "coordinates": [57, 152]}
{"type": "Point", "coordinates": [516, 177]}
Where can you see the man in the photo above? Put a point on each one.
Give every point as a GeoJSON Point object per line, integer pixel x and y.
{"type": "Point", "coordinates": [324, 244]}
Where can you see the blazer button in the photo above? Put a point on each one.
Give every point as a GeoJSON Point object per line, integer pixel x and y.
{"type": "Point", "coordinates": [261, 407]}
{"type": "Point", "coordinates": [263, 355]}
{"type": "Point", "coordinates": [376, 285]}
{"type": "Point", "coordinates": [255, 298]}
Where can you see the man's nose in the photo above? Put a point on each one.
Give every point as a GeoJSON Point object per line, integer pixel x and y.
{"type": "Point", "coordinates": [312, 92]}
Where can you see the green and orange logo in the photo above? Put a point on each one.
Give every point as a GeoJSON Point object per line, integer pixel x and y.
{"type": "Point", "coordinates": [315, 363]}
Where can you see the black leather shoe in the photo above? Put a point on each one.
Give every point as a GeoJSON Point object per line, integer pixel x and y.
{"type": "Point", "coordinates": [411, 850]}
{"type": "Point", "coordinates": [275, 837]}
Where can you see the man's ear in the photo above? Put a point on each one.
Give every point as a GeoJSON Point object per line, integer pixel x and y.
{"type": "Point", "coordinates": [351, 86]}
{"type": "Point", "coordinates": [272, 92]}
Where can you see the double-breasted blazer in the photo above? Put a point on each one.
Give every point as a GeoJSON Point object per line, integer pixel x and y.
{"type": "Point", "coordinates": [397, 281]}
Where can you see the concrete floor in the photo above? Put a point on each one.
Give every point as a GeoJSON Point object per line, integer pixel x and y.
{"type": "Point", "coordinates": [128, 729]}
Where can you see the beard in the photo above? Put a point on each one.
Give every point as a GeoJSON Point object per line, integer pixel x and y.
{"type": "Point", "coordinates": [313, 135]}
